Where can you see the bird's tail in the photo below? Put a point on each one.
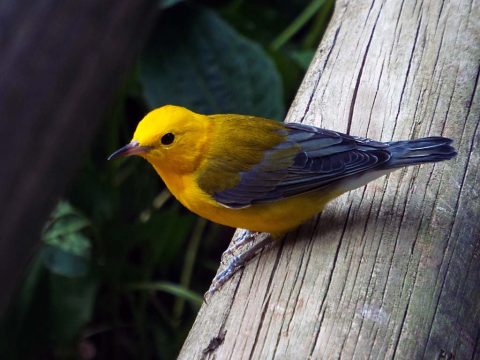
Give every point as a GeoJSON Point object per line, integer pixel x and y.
{"type": "Point", "coordinates": [419, 151]}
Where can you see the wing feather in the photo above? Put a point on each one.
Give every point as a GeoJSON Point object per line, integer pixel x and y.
{"type": "Point", "coordinates": [307, 159]}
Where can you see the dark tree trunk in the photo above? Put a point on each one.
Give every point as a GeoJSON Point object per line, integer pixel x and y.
{"type": "Point", "coordinates": [61, 63]}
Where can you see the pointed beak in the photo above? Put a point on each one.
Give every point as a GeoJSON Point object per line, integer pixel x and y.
{"type": "Point", "coordinates": [133, 148]}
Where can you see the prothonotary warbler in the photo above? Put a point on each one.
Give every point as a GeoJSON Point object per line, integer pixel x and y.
{"type": "Point", "coordinates": [263, 175]}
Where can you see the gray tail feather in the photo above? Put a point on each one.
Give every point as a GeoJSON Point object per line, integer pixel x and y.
{"type": "Point", "coordinates": [419, 151]}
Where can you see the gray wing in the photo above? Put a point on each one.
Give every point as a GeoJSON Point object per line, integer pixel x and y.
{"type": "Point", "coordinates": [309, 159]}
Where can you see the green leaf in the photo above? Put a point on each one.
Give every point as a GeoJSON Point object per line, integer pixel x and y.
{"type": "Point", "coordinates": [64, 263]}
{"type": "Point", "coordinates": [165, 233]}
{"type": "Point", "coordinates": [163, 4]}
{"type": "Point", "coordinates": [67, 249]}
{"type": "Point", "coordinates": [64, 227]}
{"type": "Point", "coordinates": [198, 61]}
{"type": "Point", "coordinates": [169, 288]}
{"type": "Point", "coordinates": [303, 58]}
{"type": "Point", "coordinates": [297, 24]}
{"type": "Point", "coordinates": [71, 299]}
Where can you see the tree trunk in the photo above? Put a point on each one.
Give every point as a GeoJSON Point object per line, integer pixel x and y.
{"type": "Point", "coordinates": [61, 63]}
{"type": "Point", "coordinates": [391, 270]}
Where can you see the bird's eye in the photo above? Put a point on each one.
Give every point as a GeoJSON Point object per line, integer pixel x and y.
{"type": "Point", "coordinates": [167, 139]}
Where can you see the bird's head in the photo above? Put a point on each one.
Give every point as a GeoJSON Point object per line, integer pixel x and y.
{"type": "Point", "coordinates": [171, 138]}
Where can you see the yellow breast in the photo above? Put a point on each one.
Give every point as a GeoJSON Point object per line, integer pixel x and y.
{"type": "Point", "coordinates": [273, 217]}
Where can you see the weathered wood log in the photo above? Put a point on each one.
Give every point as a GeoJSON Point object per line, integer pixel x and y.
{"type": "Point", "coordinates": [61, 63]}
{"type": "Point", "coordinates": [391, 270]}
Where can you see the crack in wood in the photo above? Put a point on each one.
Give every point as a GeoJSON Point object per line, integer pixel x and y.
{"type": "Point", "coordinates": [360, 72]}
{"type": "Point", "coordinates": [214, 343]}
{"type": "Point", "coordinates": [409, 65]}
{"type": "Point", "coordinates": [320, 73]}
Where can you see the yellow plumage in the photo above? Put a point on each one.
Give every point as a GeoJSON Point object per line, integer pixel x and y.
{"type": "Point", "coordinates": [262, 175]}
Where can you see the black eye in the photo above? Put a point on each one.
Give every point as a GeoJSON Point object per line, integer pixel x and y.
{"type": "Point", "coordinates": [167, 139]}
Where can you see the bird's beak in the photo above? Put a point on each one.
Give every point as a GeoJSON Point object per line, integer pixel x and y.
{"type": "Point", "coordinates": [133, 148]}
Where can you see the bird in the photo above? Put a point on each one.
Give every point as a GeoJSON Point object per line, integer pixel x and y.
{"type": "Point", "coordinates": [263, 175]}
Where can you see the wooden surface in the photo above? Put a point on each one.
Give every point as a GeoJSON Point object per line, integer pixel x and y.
{"type": "Point", "coordinates": [391, 270]}
{"type": "Point", "coordinates": [61, 63]}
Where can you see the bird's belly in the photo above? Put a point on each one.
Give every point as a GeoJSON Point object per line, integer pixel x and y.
{"type": "Point", "coordinates": [274, 217]}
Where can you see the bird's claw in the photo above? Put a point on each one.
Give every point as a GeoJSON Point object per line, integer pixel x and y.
{"type": "Point", "coordinates": [233, 266]}
{"type": "Point", "coordinates": [235, 263]}
{"type": "Point", "coordinates": [245, 238]}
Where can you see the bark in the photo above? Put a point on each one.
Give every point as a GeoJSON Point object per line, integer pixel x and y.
{"type": "Point", "coordinates": [391, 270]}
{"type": "Point", "coordinates": [61, 64]}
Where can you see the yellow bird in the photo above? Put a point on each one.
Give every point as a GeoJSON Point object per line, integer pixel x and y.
{"type": "Point", "coordinates": [262, 175]}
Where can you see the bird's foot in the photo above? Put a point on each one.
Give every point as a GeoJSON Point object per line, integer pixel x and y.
{"type": "Point", "coordinates": [245, 238]}
{"type": "Point", "coordinates": [224, 275]}
{"type": "Point", "coordinates": [237, 262]}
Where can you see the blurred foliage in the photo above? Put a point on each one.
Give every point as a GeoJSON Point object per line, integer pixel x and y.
{"type": "Point", "coordinates": [123, 266]}
{"type": "Point", "coordinates": [208, 67]}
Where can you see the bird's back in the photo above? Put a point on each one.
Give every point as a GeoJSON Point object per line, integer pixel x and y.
{"type": "Point", "coordinates": [268, 176]}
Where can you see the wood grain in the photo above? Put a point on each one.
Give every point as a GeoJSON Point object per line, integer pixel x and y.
{"type": "Point", "coordinates": [391, 270]}
{"type": "Point", "coordinates": [61, 64]}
